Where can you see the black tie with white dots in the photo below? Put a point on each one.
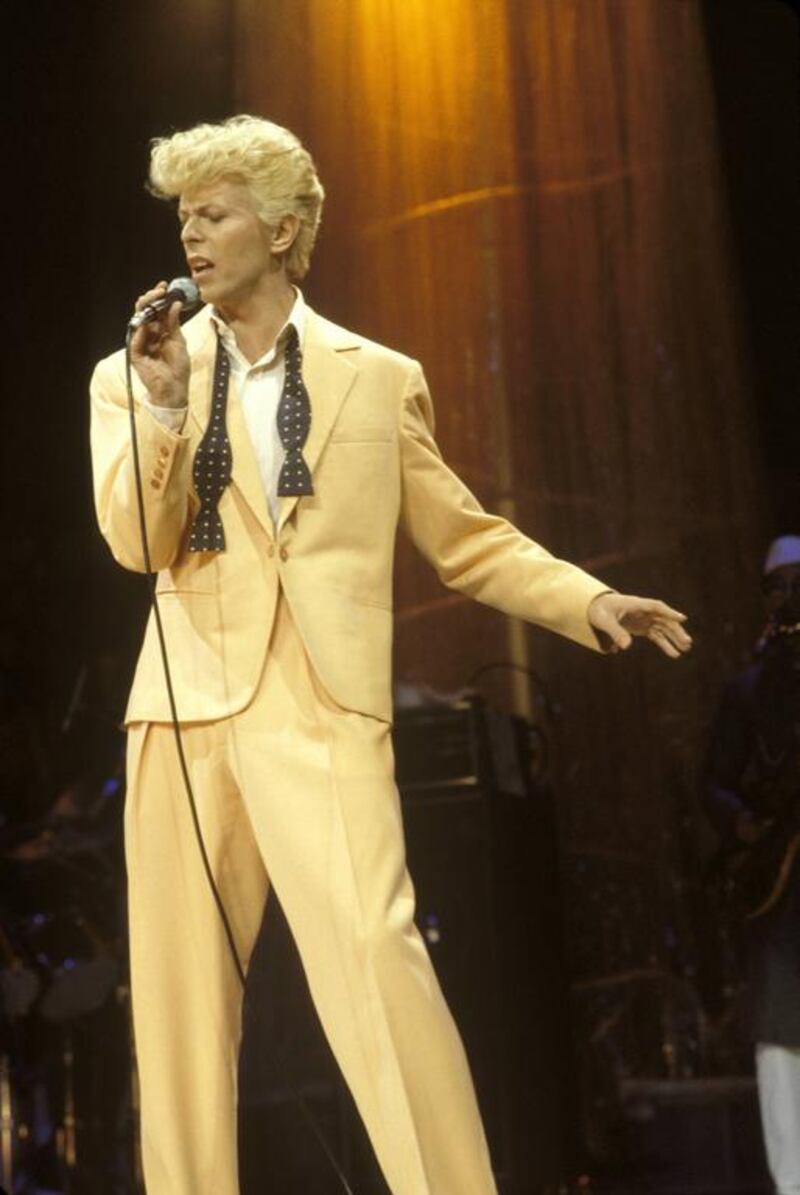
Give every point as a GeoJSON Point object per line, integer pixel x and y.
{"type": "Point", "coordinates": [213, 464]}
{"type": "Point", "coordinates": [294, 423]}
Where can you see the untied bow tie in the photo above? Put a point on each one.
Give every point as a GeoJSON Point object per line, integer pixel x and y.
{"type": "Point", "coordinates": [213, 460]}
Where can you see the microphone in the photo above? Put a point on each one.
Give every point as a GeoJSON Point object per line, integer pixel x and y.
{"type": "Point", "coordinates": [180, 290]}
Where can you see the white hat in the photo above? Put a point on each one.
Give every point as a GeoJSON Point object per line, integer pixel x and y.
{"type": "Point", "coordinates": [782, 551]}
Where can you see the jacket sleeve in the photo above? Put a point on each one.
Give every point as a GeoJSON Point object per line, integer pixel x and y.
{"type": "Point", "coordinates": [480, 554]}
{"type": "Point", "coordinates": [165, 468]}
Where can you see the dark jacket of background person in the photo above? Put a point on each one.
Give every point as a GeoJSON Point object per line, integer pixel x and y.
{"type": "Point", "coordinates": [755, 744]}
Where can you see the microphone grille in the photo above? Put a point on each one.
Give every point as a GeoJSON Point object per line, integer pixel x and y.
{"type": "Point", "coordinates": [186, 287]}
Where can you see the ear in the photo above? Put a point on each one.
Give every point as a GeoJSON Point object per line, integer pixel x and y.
{"type": "Point", "coordinates": [284, 233]}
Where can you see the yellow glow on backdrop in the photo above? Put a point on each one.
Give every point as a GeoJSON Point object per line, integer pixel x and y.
{"type": "Point", "coordinates": [526, 196]}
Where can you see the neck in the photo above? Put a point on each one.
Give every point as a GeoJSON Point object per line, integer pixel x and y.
{"type": "Point", "coordinates": [257, 318]}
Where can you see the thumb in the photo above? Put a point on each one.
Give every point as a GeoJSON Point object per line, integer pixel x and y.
{"type": "Point", "coordinates": [610, 624]}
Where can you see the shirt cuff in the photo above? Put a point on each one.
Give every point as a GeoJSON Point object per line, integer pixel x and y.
{"type": "Point", "coordinates": [171, 417]}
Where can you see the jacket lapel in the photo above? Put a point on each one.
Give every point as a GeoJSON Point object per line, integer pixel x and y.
{"type": "Point", "coordinates": [202, 345]}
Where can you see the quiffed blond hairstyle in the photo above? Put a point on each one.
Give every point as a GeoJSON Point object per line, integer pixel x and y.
{"type": "Point", "coordinates": [269, 159]}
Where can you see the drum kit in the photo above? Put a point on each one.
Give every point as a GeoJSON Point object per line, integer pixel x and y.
{"type": "Point", "coordinates": [67, 1077]}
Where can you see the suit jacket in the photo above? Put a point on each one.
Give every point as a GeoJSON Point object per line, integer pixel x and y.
{"type": "Point", "coordinates": [375, 463]}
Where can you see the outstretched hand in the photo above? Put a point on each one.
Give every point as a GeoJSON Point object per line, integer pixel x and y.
{"type": "Point", "coordinates": [621, 618]}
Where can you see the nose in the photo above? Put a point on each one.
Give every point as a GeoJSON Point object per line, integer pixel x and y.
{"type": "Point", "coordinates": [189, 232]}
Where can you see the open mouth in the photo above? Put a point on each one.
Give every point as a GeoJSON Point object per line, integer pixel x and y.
{"type": "Point", "coordinates": [200, 267]}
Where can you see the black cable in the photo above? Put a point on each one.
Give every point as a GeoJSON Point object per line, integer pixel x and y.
{"type": "Point", "coordinates": [539, 770]}
{"type": "Point", "coordinates": [552, 710]}
{"type": "Point", "coordinates": [151, 580]}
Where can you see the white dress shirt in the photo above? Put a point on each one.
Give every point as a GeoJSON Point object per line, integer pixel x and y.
{"type": "Point", "coordinates": [257, 388]}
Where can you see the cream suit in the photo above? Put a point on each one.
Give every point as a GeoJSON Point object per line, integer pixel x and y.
{"type": "Point", "coordinates": [280, 649]}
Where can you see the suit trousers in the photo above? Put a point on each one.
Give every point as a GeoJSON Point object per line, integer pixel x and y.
{"type": "Point", "coordinates": [297, 793]}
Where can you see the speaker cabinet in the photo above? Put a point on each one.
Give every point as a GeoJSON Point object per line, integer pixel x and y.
{"type": "Point", "coordinates": [484, 863]}
{"type": "Point", "coordinates": [695, 1136]}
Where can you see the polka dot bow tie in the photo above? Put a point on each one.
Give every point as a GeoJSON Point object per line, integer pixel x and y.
{"type": "Point", "coordinates": [294, 423]}
{"type": "Point", "coordinates": [213, 460]}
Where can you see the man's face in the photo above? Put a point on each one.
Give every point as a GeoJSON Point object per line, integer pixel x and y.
{"type": "Point", "coordinates": [782, 594]}
{"type": "Point", "coordinates": [227, 246]}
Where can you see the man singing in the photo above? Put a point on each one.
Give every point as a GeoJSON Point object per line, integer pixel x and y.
{"type": "Point", "coordinates": [278, 453]}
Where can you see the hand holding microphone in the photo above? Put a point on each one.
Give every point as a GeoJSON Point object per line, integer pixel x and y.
{"type": "Point", "coordinates": [182, 291]}
{"type": "Point", "coordinates": [158, 349]}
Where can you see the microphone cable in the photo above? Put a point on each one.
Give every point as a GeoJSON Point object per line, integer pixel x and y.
{"type": "Point", "coordinates": [187, 784]}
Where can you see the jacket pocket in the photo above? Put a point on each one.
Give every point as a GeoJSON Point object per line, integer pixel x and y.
{"type": "Point", "coordinates": [170, 589]}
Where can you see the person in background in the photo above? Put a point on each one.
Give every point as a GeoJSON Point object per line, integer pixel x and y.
{"type": "Point", "coordinates": [751, 789]}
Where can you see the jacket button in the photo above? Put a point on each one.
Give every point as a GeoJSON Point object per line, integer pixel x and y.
{"type": "Point", "coordinates": [271, 550]}
{"type": "Point", "coordinates": [284, 554]}
{"type": "Point", "coordinates": [163, 451]}
{"type": "Point", "coordinates": [155, 484]}
{"type": "Point", "coordinates": [158, 472]}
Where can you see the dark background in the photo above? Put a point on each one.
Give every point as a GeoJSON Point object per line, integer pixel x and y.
{"type": "Point", "coordinates": [91, 83]}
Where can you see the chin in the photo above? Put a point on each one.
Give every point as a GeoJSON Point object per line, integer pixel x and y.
{"type": "Point", "coordinates": [207, 293]}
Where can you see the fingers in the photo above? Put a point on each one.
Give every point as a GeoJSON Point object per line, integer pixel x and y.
{"type": "Point", "coordinates": [147, 337]}
{"type": "Point", "coordinates": [144, 341]}
{"type": "Point", "coordinates": [669, 626]}
{"type": "Point", "coordinates": [172, 320]}
{"type": "Point", "coordinates": [667, 612]}
{"type": "Point", "coordinates": [150, 295]}
{"type": "Point", "coordinates": [622, 616]}
{"type": "Point", "coordinates": [658, 609]}
{"type": "Point", "coordinates": [148, 340]}
{"type": "Point", "coordinates": [662, 641]}
{"type": "Point", "coordinates": [670, 637]}
{"type": "Point", "coordinates": [678, 637]}
{"type": "Point", "coordinates": [151, 338]}
{"type": "Point", "coordinates": [643, 615]}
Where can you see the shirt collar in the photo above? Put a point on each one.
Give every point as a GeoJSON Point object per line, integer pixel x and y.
{"type": "Point", "coordinates": [296, 317]}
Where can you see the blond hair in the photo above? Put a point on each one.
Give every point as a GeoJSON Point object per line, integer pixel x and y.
{"type": "Point", "coordinates": [268, 159]}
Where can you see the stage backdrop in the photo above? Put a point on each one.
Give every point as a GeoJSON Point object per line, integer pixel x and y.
{"type": "Point", "coordinates": [528, 198]}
